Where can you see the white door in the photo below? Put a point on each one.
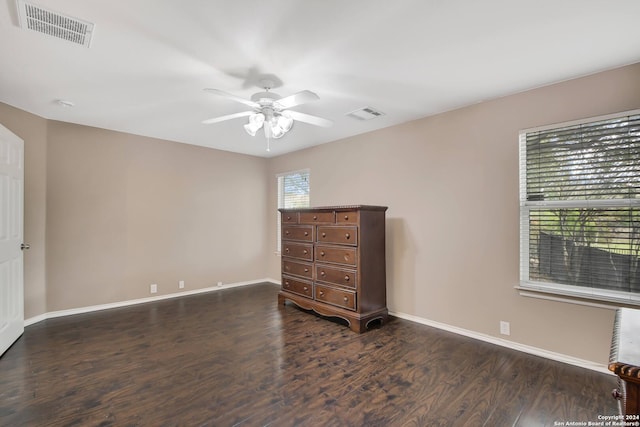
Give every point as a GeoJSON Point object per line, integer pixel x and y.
{"type": "Point", "coordinates": [11, 233]}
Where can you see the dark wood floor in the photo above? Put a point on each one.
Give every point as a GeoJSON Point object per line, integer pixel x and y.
{"type": "Point", "coordinates": [233, 358]}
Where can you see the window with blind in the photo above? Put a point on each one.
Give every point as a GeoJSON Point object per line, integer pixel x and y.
{"type": "Point", "coordinates": [580, 208]}
{"type": "Point", "coordinates": [293, 192]}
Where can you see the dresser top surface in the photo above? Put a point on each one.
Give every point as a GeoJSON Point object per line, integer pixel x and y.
{"type": "Point", "coordinates": [626, 345]}
{"type": "Point", "coordinates": [337, 208]}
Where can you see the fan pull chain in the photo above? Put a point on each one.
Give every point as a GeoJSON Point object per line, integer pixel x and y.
{"type": "Point", "coordinates": [268, 144]}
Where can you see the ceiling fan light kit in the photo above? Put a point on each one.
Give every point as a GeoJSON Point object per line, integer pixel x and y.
{"type": "Point", "coordinates": [271, 112]}
{"type": "Point", "coordinates": [275, 124]}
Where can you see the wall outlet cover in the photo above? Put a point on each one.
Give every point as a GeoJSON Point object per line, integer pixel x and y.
{"type": "Point", "coordinates": [505, 328]}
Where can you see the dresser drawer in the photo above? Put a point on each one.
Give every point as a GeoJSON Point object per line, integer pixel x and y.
{"type": "Point", "coordinates": [338, 235]}
{"type": "Point", "coordinates": [297, 268]}
{"type": "Point", "coordinates": [335, 255]}
{"type": "Point", "coordinates": [297, 250]}
{"type": "Point", "coordinates": [334, 296]}
{"type": "Point", "coordinates": [338, 276]}
{"type": "Point", "coordinates": [317, 217]}
{"type": "Point", "coordinates": [299, 287]}
{"type": "Point", "coordinates": [347, 217]}
{"type": "Point", "coordinates": [289, 217]}
{"type": "Point", "coordinates": [303, 233]}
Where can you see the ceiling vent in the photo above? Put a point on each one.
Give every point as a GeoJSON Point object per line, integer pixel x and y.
{"type": "Point", "coordinates": [366, 113]}
{"type": "Point", "coordinates": [54, 24]}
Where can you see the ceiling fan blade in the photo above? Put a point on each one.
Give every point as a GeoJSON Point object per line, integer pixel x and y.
{"type": "Point", "coordinates": [307, 118]}
{"type": "Point", "coordinates": [233, 97]}
{"type": "Point", "coordinates": [296, 99]}
{"type": "Point", "coordinates": [227, 117]}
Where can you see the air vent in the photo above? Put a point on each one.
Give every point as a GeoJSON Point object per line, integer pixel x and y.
{"type": "Point", "coordinates": [54, 24]}
{"type": "Point", "coordinates": [366, 113]}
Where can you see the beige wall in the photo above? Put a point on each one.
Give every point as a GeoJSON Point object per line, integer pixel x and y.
{"type": "Point", "coordinates": [451, 184]}
{"type": "Point", "coordinates": [125, 211]}
{"type": "Point", "coordinates": [33, 130]}
{"type": "Point", "coordinates": [116, 212]}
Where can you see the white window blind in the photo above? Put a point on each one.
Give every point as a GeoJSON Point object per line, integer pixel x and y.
{"type": "Point", "coordinates": [293, 192]}
{"type": "Point", "coordinates": [580, 208]}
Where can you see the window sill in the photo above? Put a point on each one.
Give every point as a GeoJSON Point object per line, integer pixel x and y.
{"type": "Point", "coordinates": [603, 300]}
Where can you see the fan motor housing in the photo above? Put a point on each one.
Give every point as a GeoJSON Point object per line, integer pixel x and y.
{"type": "Point", "coordinates": [265, 98]}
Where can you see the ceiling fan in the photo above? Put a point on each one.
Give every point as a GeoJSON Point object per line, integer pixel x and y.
{"type": "Point", "coordinates": [270, 111]}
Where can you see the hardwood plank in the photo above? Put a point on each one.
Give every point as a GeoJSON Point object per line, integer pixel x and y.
{"type": "Point", "coordinates": [198, 360]}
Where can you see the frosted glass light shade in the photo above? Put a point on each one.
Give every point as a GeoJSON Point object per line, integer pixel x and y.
{"type": "Point", "coordinates": [285, 122]}
{"type": "Point", "coordinates": [255, 123]}
{"type": "Point", "coordinates": [277, 131]}
{"type": "Point", "coordinates": [256, 119]}
{"type": "Point", "coordinates": [251, 130]}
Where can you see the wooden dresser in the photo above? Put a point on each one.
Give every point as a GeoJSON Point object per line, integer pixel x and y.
{"type": "Point", "coordinates": [624, 360]}
{"type": "Point", "coordinates": [333, 262]}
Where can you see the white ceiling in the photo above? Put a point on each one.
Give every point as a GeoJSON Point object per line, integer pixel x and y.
{"type": "Point", "coordinates": [150, 59]}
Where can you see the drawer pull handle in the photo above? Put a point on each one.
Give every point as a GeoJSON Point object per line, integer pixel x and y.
{"type": "Point", "coordinates": [322, 273]}
{"type": "Point", "coordinates": [347, 236]}
{"type": "Point", "coordinates": [286, 250]}
{"type": "Point", "coordinates": [306, 233]}
{"type": "Point", "coordinates": [286, 283]}
{"type": "Point", "coordinates": [286, 232]}
{"type": "Point", "coordinates": [305, 289]}
{"type": "Point", "coordinates": [346, 278]}
{"type": "Point", "coordinates": [321, 293]}
{"type": "Point", "coordinates": [346, 299]}
{"type": "Point", "coordinates": [315, 217]}
{"type": "Point", "coordinates": [288, 218]}
{"type": "Point", "coordinates": [322, 253]}
{"type": "Point", "coordinates": [346, 217]}
{"type": "Point", "coordinates": [324, 234]}
{"type": "Point", "coordinates": [286, 267]}
{"type": "Point", "coordinates": [615, 393]}
{"type": "Point", "coordinates": [305, 252]}
{"type": "Point", "coordinates": [306, 270]}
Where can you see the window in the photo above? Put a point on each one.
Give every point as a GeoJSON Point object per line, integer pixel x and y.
{"type": "Point", "coordinates": [293, 192]}
{"type": "Point", "coordinates": [580, 208]}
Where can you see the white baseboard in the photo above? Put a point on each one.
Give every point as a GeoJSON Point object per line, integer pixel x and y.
{"type": "Point", "coordinates": [89, 309]}
{"type": "Point", "coordinates": [508, 344]}
{"type": "Point", "coordinates": [35, 319]}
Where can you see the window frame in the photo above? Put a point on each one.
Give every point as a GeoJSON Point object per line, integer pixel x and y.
{"type": "Point", "coordinates": [280, 198]}
{"type": "Point", "coordinates": [575, 293]}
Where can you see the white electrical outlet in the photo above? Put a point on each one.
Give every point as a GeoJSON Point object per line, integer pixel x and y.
{"type": "Point", "coordinates": [219, 283]}
{"type": "Point", "coordinates": [505, 328]}
{"type": "Point", "coordinates": [153, 288]}
{"type": "Point", "coordinates": [181, 284]}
